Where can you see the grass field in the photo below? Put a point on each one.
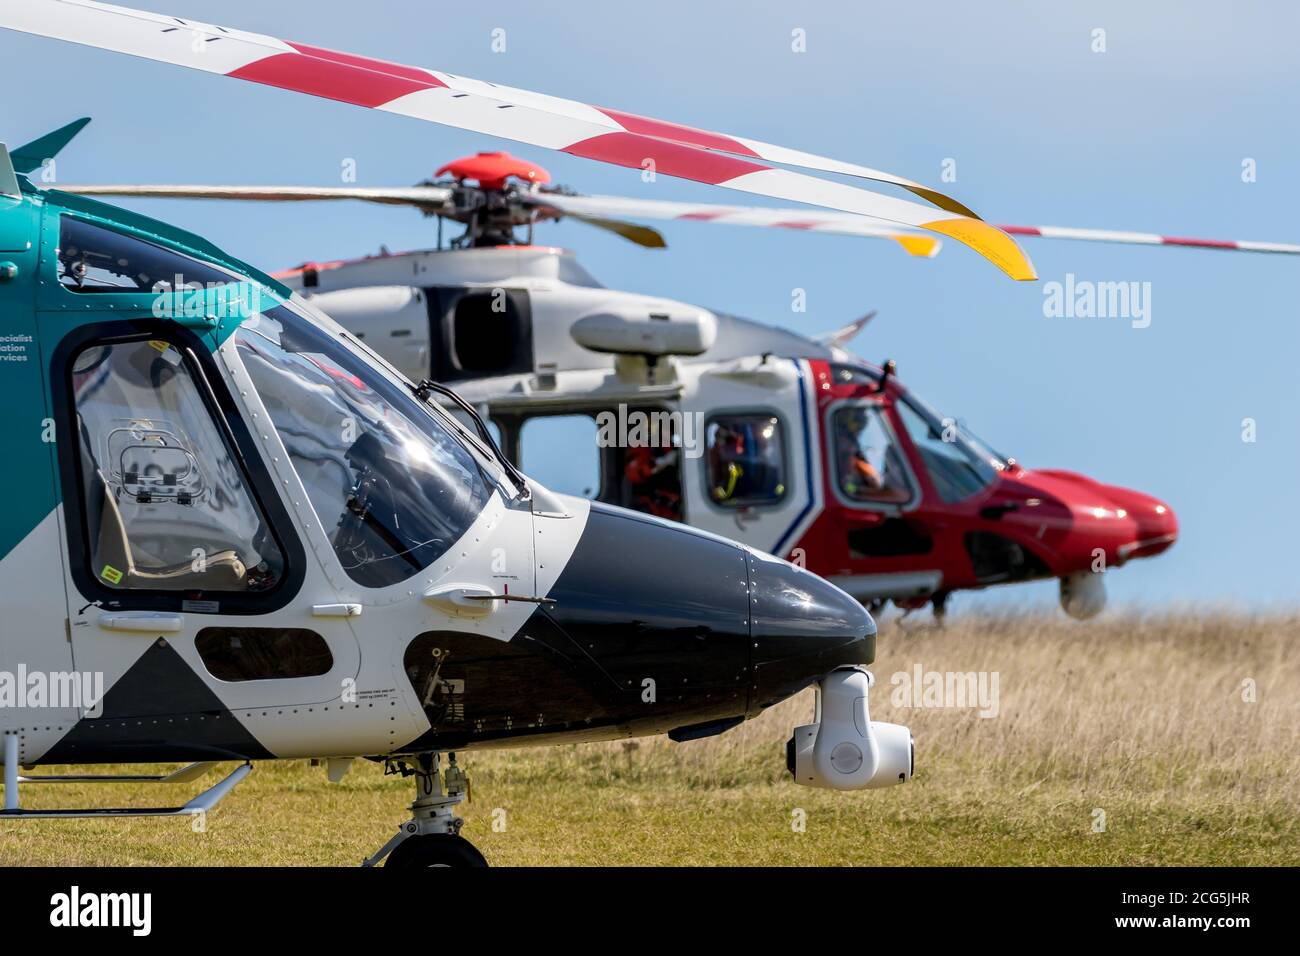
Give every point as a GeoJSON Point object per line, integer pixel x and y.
{"type": "Point", "coordinates": [1146, 721]}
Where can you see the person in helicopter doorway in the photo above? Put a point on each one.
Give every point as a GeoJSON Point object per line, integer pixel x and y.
{"type": "Point", "coordinates": [652, 480]}
{"type": "Point", "coordinates": [869, 469]}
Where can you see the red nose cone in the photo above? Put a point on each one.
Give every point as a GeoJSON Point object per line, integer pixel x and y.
{"type": "Point", "coordinates": [1156, 525]}
{"type": "Point", "coordinates": [1122, 523]}
{"type": "Point", "coordinates": [491, 170]}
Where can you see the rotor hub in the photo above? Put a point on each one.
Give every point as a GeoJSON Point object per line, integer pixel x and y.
{"type": "Point", "coordinates": [491, 170]}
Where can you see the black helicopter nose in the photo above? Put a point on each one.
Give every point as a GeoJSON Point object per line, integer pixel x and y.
{"type": "Point", "coordinates": [694, 630]}
{"type": "Point", "coordinates": [802, 627]}
{"type": "Point", "coordinates": [661, 609]}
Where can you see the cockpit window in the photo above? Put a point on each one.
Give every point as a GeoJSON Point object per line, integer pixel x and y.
{"type": "Point", "coordinates": [95, 259]}
{"type": "Point", "coordinates": [957, 467]}
{"type": "Point", "coordinates": [868, 463]}
{"type": "Point", "coordinates": [746, 460]}
{"type": "Point", "coordinates": [392, 486]}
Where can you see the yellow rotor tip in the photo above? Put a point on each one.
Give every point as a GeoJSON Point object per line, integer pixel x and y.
{"type": "Point", "coordinates": [990, 242]}
{"type": "Point", "coordinates": [924, 246]}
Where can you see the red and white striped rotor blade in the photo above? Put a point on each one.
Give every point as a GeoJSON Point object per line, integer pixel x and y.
{"type": "Point", "coordinates": [756, 149]}
{"type": "Point", "coordinates": [914, 241]}
{"type": "Point", "coordinates": [1150, 239]}
{"type": "Point", "coordinates": [549, 122]}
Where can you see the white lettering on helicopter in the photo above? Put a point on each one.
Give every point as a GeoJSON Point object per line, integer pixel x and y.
{"type": "Point", "coordinates": [1075, 299]}
{"type": "Point", "coordinates": [213, 300]}
{"type": "Point", "coordinates": [640, 429]}
{"type": "Point", "coordinates": [60, 689]}
{"type": "Point", "coordinates": [920, 688]}
{"type": "Point", "coordinates": [131, 910]}
{"type": "Point", "coordinates": [13, 348]}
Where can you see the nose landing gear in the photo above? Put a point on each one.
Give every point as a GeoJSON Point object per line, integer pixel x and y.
{"type": "Point", "coordinates": [432, 836]}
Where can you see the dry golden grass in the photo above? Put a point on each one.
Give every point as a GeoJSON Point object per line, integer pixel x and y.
{"type": "Point", "coordinates": [1143, 719]}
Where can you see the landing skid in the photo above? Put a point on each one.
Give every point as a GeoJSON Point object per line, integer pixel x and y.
{"type": "Point", "coordinates": [185, 774]}
{"type": "Point", "coordinates": [201, 804]}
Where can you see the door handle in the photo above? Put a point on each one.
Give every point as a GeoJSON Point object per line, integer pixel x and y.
{"type": "Point", "coordinates": [996, 511]}
{"type": "Point", "coordinates": [142, 622]}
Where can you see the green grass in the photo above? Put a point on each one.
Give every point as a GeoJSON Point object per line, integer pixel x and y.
{"type": "Point", "coordinates": [1140, 718]}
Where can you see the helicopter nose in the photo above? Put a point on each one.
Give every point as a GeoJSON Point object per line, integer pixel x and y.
{"type": "Point", "coordinates": [647, 600]}
{"type": "Point", "coordinates": [802, 627]}
{"type": "Point", "coordinates": [1155, 522]}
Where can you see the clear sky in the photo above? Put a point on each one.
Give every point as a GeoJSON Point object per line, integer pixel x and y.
{"type": "Point", "coordinates": [1149, 135]}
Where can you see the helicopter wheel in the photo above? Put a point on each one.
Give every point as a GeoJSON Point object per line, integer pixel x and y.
{"type": "Point", "coordinates": [435, 849]}
{"type": "Point", "coordinates": [939, 603]}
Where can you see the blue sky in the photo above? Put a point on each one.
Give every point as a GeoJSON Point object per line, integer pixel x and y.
{"type": "Point", "coordinates": [1149, 135]}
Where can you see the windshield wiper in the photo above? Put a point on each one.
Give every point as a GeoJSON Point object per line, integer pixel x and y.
{"type": "Point", "coordinates": [427, 387]}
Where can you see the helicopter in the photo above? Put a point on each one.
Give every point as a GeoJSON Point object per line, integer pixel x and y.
{"type": "Point", "coordinates": [247, 536]}
{"type": "Point", "coordinates": [788, 443]}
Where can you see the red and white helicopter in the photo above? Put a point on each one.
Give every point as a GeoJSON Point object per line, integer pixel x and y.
{"type": "Point", "coordinates": [790, 444]}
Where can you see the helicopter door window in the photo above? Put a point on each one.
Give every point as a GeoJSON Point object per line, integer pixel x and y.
{"type": "Point", "coordinates": [868, 464]}
{"type": "Point", "coordinates": [167, 505]}
{"type": "Point", "coordinates": [746, 460]}
{"type": "Point", "coordinates": [562, 453]}
{"type": "Point", "coordinates": [392, 486]}
{"type": "Point", "coordinates": [95, 259]}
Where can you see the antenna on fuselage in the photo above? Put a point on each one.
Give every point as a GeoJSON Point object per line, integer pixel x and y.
{"type": "Point", "coordinates": [889, 369]}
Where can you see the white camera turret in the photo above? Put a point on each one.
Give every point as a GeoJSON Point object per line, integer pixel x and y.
{"type": "Point", "coordinates": [843, 748]}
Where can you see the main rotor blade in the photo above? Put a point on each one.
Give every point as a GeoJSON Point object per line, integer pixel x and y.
{"type": "Point", "coordinates": [740, 146]}
{"type": "Point", "coordinates": [631, 231]}
{"type": "Point", "coordinates": [433, 96]}
{"type": "Point", "coordinates": [915, 242]}
{"type": "Point", "coordinates": [1150, 239]}
{"type": "Point", "coordinates": [428, 197]}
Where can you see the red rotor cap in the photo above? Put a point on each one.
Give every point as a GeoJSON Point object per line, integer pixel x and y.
{"type": "Point", "coordinates": [491, 170]}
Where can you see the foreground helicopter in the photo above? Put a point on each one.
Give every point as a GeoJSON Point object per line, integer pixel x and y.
{"type": "Point", "coordinates": [245, 536]}
{"type": "Point", "coordinates": [789, 444]}
{"type": "Point", "coordinates": [272, 546]}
